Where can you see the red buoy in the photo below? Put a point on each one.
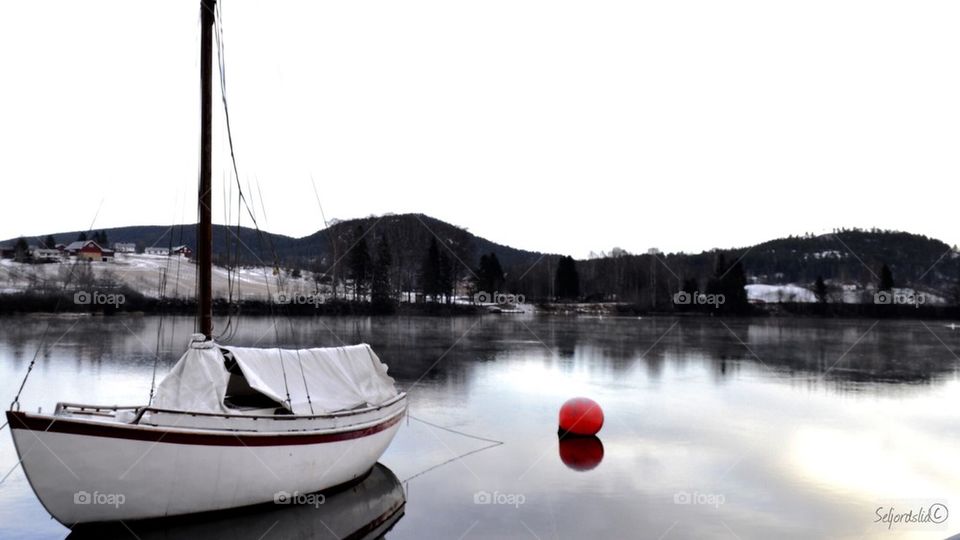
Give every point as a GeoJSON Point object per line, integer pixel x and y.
{"type": "Point", "coordinates": [581, 416]}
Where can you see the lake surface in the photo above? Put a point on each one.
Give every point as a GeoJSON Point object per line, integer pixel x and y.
{"type": "Point", "coordinates": [714, 428]}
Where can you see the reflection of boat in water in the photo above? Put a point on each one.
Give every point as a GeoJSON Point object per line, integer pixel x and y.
{"type": "Point", "coordinates": [365, 510]}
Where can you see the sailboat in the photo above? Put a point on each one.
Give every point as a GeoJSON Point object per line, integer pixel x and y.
{"type": "Point", "coordinates": [228, 427]}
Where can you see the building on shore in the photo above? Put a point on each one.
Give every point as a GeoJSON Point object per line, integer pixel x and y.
{"type": "Point", "coordinates": [89, 250]}
{"type": "Point", "coordinates": [125, 247]}
{"type": "Point", "coordinates": [43, 254]}
{"type": "Point", "coordinates": [182, 250]}
{"type": "Point", "coordinates": [153, 250]}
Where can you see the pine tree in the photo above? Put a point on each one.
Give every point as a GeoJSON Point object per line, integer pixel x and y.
{"type": "Point", "coordinates": [430, 271]}
{"type": "Point", "coordinates": [886, 278]}
{"type": "Point", "coordinates": [567, 279]}
{"type": "Point", "coordinates": [820, 290]}
{"type": "Point", "coordinates": [49, 242]}
{"type": "Point", "coordinates": [736, 292]}
{"type": "Point", "coordinates": [82, 237]}
{"type": "Point", "coordinates": [495, 273]}
{"type": "Point", "coordinates": [21, 250]}
{"type": "Point", "coordinates": [489, 275]}
{"type": "Point", "coordinates": [359, 266]}
{"type": "Point", "coordinates": [714, 284]}
{"type": "Point", "coordinates": [479, 277]}
{"type": "Point", "coordinates": [381, 290]}
{"type": "Point", "coordinates": [729, 282]}
{"type": "Point", "coordinates": [445, 277]}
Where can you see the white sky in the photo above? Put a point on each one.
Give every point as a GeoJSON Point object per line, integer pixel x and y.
{"type": "Point", "coordinates": [555, 126]}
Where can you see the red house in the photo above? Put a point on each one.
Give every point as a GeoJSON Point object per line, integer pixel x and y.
{"type": "Point", "coordinates": [89, 250]}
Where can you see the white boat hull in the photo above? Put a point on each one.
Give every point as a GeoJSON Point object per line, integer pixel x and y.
{"type": "Point", "coordinates": [87, 471]}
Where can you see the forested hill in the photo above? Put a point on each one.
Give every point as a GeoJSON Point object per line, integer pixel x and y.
{"type": "Point", "coordinates": [845, 256]}
{"type": "Point", "coordinates": [856, 256]}
{"type": "Point", "coordinates": [409, 236]}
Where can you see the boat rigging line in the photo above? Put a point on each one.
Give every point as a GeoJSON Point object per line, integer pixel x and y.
{"type": "Point", "coordinates": [230, 328]}
{"type": "Point", "coordinates": [242, 200]}
{"type": "Point", "coordinates": [161, 297]}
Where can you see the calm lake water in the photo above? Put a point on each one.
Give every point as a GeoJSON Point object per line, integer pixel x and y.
{"type": "Point", "coordinates": [714, 428]}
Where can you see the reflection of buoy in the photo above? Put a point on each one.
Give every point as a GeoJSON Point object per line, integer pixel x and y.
{"type": "Point", "coordinates": [581, 453]}
{"type": "Point", "coordinates": [581, 416]}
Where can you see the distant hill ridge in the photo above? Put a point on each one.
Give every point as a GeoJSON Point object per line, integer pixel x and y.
{"type": "Point", "coordinates": [844, 256]}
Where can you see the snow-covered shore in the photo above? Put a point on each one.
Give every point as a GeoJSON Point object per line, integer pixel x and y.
{"type": "Point", "coordinates": [150, 275]}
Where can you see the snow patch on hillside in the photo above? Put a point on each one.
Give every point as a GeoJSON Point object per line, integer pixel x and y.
{"type": "Point", "coordinates": [771, 294]}
{"type": "Point", "coordinates": [145, 273]}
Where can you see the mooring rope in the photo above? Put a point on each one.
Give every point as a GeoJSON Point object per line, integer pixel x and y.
{"type": "Point", "coordinates": [493, 443]}
{"type": "Point", "coordinates": [33, 361]}
{"type": "Point", "coordinates": [451, 460]}
{"type": "Point", "coordinates": [451, 430]}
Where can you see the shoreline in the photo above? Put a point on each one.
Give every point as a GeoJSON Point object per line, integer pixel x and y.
{"type": "Point", "coordinates": [64, 303]}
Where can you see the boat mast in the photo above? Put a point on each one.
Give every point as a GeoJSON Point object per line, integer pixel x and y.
{"type": "Point", "coordinates": [205, 226]}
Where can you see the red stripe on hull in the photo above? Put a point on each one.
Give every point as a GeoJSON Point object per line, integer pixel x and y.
{"type": "Point", "coordinates": [20, 420]}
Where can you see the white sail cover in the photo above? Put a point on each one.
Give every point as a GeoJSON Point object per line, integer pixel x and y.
{"type": "Point", "coordinates": [197, 382]}
{"type": "Point", "coordinates": [335, 379]}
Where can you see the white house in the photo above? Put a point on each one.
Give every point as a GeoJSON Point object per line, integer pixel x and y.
{"type": "Point", "coordinates": [44, 254]}
{"type": "Point", "coordinates": [157, 251]}
{"type": "Point", "coordinates": [125, 247]}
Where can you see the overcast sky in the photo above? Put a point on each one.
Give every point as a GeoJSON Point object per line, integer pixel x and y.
{"type": "Point", "coordinates": [555, 126]}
